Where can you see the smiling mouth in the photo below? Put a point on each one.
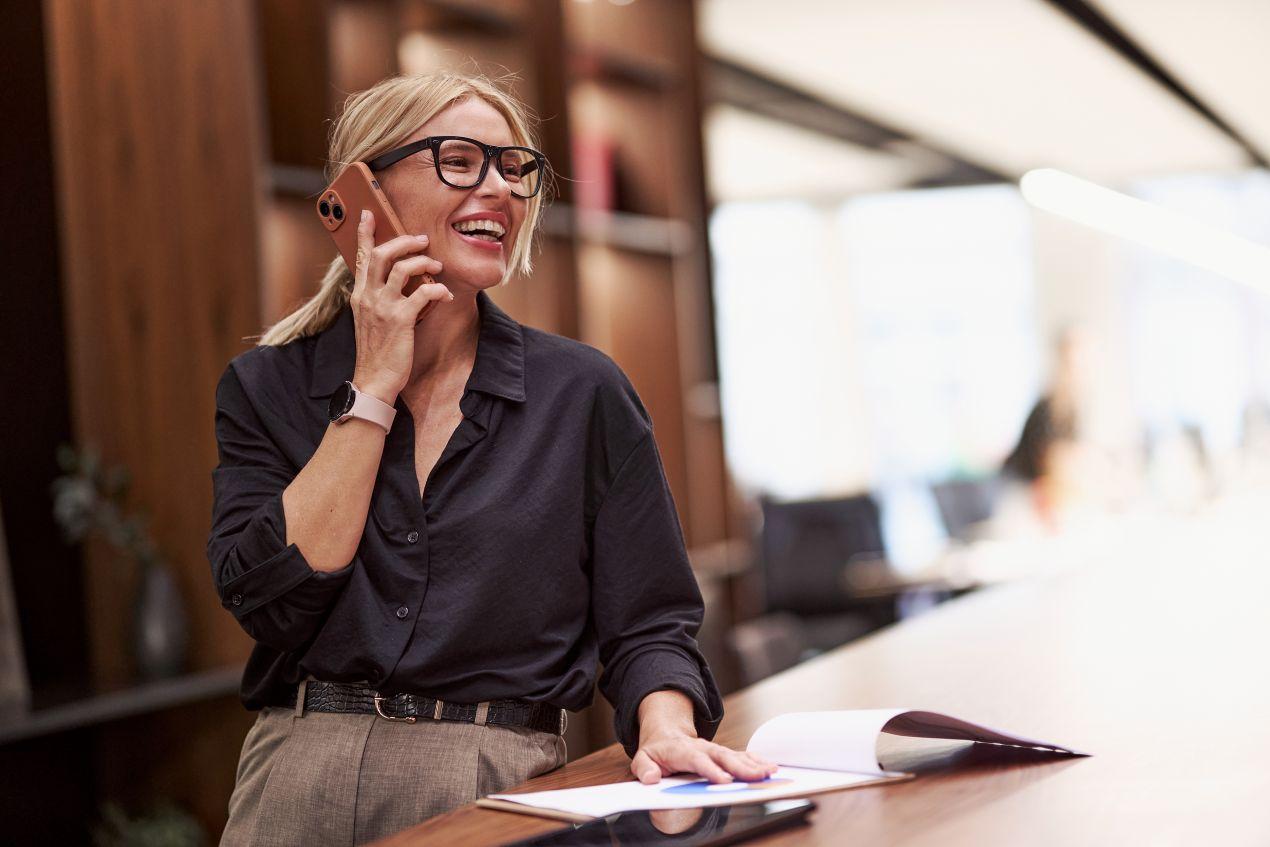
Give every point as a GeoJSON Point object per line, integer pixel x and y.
{"type": "Point", "coordinates": [483, 230]}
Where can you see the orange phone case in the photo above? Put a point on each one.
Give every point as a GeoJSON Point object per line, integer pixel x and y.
{"type": "Point", "coordinates": [353, 190]}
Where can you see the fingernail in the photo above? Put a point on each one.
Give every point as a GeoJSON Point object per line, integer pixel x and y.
{"type": "Point", "coordinates": [451, 293]}
{"type": "Point", "coordinates": [365, 215]}
{"type": "Point", "coordinates": [423, 238]}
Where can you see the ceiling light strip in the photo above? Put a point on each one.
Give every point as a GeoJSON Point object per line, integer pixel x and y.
{"type": "Point", "coordinates": [1150, 225]}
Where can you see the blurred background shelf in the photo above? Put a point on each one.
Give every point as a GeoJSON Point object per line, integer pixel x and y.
{"type": "Point", "coordinates": [66, 714]}
{"type": "Point", "coordinates": [623, 230]}
{"type": "Point", "coordinates": [654, 74]}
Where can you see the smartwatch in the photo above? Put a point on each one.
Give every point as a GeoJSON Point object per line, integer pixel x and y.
{"type": "Point", "coordinates": [348, 402]}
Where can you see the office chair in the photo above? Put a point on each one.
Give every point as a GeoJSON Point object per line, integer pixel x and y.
{"type": "Point", "coordinates": [812, 554]}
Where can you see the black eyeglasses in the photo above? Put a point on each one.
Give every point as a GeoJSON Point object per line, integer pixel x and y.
{"type": "Point", "coordinates": [462, 162]}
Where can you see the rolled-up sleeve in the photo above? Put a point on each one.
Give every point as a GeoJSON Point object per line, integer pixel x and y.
{"type": "Point", "coordinates": [267, 584]}
{"type": "Point", "coordinates": [645, 599]}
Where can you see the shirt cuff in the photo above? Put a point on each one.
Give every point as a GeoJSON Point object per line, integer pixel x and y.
{"type": "Point", "coordinates": [279, 570]}
{"type": "Point", "coordinates": [659, 670]}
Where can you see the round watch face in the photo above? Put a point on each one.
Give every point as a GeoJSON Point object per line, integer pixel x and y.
{"type": "Point", "coordinates": [341, 402]}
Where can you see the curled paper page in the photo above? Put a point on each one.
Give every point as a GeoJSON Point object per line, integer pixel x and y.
{"type": "Point", "coordinates": [847, 740]}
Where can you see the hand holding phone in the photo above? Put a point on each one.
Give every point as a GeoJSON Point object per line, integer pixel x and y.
{"type": "Point", "coordinates": [340, 205]}
{"type": "Point", "coordinates": [393, 288]}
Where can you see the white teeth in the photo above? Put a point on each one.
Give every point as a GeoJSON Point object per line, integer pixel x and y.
{"type": "Point", "coordinates": [484, 226]}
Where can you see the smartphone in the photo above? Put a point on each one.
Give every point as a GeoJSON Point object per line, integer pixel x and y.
{"type": "Point", "coordinates": [712, 827]}
{"type": "Point", "coordinates": [340, 205]}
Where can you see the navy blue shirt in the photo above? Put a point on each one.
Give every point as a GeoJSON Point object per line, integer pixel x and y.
{"type": "Point", "coordinates": [546, 538]}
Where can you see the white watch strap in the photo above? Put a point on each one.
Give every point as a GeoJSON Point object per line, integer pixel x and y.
{"type": "Point", "coordinates": [371, 409]}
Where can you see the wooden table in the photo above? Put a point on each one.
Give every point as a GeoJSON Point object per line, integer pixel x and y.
{"type": "Point", "coordinates": [1152, 653]}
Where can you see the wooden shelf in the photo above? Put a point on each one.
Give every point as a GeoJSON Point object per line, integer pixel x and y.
{"type": "Point", "coordinates": [114, 705]}
{"type": "Point", "coordinates": [642, 72]}
{"type": "Point", "coordinates": [625, 230]}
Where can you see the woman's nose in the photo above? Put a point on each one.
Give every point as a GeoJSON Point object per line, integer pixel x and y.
{"type": "Point", "coordinates": [494, 183]}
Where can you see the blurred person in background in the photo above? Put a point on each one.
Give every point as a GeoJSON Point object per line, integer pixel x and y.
{"type": "Point", "coordinates": [428, 593]}
{"type": "Point", "coordinates": [1051, 469]}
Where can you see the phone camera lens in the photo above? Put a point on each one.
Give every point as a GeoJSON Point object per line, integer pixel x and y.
{"type": "Point", "coordinates": [324, 208]}
{"type": "Point", "coordinates": [338, 213]}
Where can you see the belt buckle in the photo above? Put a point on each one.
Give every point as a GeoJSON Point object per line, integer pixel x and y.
{"type": "Point", "coordinates": [379, 710]}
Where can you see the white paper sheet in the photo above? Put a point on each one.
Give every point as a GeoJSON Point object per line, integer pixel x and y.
{"type": "Point", "coordinates": [686, 792]}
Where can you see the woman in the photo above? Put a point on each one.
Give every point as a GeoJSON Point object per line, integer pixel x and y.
{"type": "Point", "coordinates": [434, 520]}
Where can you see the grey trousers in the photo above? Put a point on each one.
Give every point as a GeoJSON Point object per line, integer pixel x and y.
{"type": "Point", "coordinates": [334, 779]}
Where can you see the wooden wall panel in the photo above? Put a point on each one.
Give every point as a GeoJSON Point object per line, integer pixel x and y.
{"type": "Point", "coordinates": [157, 140]}
{"type": "Point", "coordinates": [296, 56]}
{"type": "Point", "coordinates": [363, 36]}
{"type": "Point", "coordinates": [544, 31]}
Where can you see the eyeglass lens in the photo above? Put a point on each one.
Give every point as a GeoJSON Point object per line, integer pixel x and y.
{"type": "Point", "coordinates": [459, 164]}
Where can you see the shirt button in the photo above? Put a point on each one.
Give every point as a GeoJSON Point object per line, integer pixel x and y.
{"type": "Point", "coordinates": [237, 599]}
{"type": "Point", "coordinates": [402, 612]}
{"type": "Point", "coordinates": [412, 536]}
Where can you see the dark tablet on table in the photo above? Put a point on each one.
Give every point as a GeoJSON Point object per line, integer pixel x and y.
{"type": "Point", "coordinates": [681, 827]}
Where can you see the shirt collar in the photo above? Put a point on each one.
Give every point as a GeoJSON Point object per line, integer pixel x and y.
{"type": "Point", "coordinates": [500, 354]}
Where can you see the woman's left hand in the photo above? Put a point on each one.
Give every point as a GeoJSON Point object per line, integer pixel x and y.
{"type": "Point", "coordinates": [666, 754]}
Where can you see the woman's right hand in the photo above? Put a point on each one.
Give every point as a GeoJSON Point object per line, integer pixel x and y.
{"type": "Point", "coordinates": [384, 318]}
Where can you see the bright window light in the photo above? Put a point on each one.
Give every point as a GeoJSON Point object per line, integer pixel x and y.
{"type": "Point", "coordinates": [1153, 226]}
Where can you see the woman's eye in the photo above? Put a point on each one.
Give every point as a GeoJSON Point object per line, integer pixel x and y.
{"type": "Point", "coordinates": [455, 162]}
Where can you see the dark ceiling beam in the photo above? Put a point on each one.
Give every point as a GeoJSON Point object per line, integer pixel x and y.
{"type": "Point", "coordinates": [731, 84]}
{"type": "Point", "coordinates": [1102, 28]}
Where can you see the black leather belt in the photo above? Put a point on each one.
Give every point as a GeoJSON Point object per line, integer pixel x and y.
{"type": "Point", "coordinates": [352, 698]}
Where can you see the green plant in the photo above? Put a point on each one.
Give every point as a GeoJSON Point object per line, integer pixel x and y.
{"type": "Point", "coordinates": [164, 825]}
{"type": "Point", "coordinates": [89, 496]}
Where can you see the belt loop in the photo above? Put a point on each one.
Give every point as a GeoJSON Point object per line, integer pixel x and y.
{"type": "Point", "coordinates": [299, 697]}
{"type": "Point", "coordinates": [482, 711]}
{"type": "Point", "coordinates": [436, 712]}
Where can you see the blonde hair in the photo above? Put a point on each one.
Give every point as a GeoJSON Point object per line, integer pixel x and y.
{"type": "Point", "coordinates": [379, 119]}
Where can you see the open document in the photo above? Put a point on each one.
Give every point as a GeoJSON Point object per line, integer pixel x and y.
{"type": "Point", "coordinates": [816, 751]}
